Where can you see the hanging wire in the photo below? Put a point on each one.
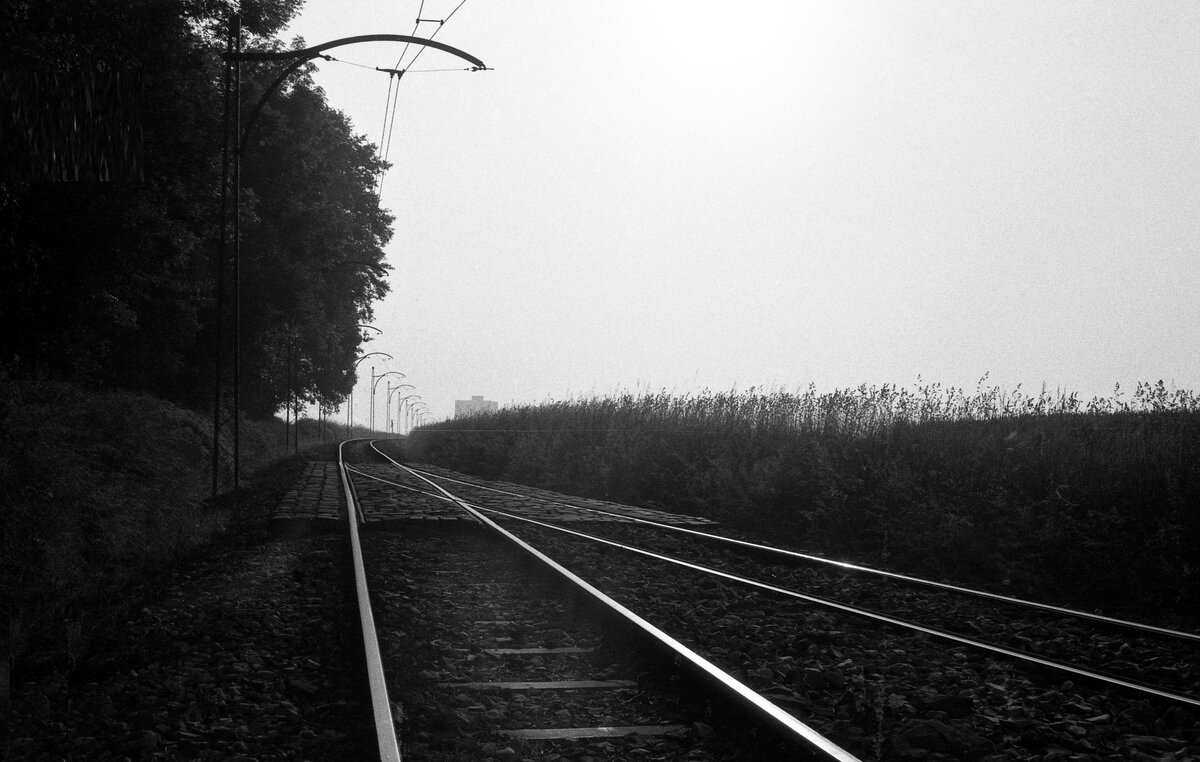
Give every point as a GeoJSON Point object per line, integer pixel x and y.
{"type": "Point", "coordinates": [387, 149]}
{"type": "Point", "coordinates": [394, 96]}
{"type": "Point", "coordinates": [416, 25]}
{"type": "Point", "coordinates": [383, 132]}
{"type": "Point", "coordinates": [385, 138]}
{"type": "Point", "coordinates": [383, 129]}
{"type": "Point", "coordinates": [441, 24]}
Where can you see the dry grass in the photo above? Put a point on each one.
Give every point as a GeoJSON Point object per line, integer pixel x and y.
{"type": "Point", "coordinates": [1095, 502]}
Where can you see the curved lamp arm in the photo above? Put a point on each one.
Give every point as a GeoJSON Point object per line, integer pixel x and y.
{"type": "Point", "coordinates": [393, 390]}
{"type": "Point", "coordinates": [375, 385]}
{"type": "Point", "coordinates": [368, 354]}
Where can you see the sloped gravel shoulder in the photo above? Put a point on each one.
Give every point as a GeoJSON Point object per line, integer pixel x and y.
{"type": "Point", "coordinates": [245, 654]}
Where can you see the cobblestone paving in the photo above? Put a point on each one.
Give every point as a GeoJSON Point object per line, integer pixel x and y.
{"type": "Point", "coordinates": [317, 495]}
{"type": "Point", "coordinates": [541, 504]}
{"type": "Point", "coordinates": [386, 502]}
{"type": "Point", "coordinates": [554, 506]}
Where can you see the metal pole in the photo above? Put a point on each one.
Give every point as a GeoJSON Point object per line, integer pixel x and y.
{"type": "Point", "coordinates": [375, 385]}
{"type": "Point", "coordinates": [237, 254]}
{"type": "Point", "coordinates": [350, 406]}
{"type": "Point", "coordinates": [387, 409]}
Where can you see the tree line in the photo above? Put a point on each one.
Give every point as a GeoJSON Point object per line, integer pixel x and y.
{"type": "Point", "coordinates": [108, 275]}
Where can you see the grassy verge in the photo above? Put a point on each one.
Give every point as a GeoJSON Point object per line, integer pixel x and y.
{"type": "Point", "coordinates": [100, 489]}
{"type": "Point", "coordinates": [1093, 504]}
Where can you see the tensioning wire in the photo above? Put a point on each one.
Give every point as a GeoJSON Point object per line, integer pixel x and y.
{"type": "Point", "coordinates": [406, 71]}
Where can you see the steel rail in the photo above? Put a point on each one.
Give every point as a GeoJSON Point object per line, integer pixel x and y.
{"type": "Point", "coordinates": [359, 472]}
{"type": "Point", "coordinates": [855, 567]}
{"type": "Point", "coordinates": [800, 731]}
{"type": "Point", "coordinates": [826, 602]}
{"type": "Point", "coordinates": [381, 707]}
{"type": "Point", "coordinates": [876, 616]}
{"type": "Point", "coordinates": [818, 600]}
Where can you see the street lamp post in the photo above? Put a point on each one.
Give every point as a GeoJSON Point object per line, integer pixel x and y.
{"type": "Point", "coordinates": [387, 405]}
{"type": "Point", "coordinates": [227, 402]}
{"type": "Point", "coordinates": [415, 415]}
{"type": "Point", "coordinates": [350, 397]}
{"type": "Point", "coordinates": [374, 385]}
{"type": "Point", "coordinates": [405, 402]}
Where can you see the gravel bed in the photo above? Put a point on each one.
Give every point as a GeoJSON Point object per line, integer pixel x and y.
{"type": "Point", "coordinates": [880, 693]}
{"type": "Point", "coordinates": [246, 653]}
{"type": "Point", "coordinates": [439, 592]}
{"type": "Point", "coordinates": [1170, 663]}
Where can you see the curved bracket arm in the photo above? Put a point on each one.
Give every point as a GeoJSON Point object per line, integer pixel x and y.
{"type": "Point", "coordinates": [368, 354]}
{"type": "Point", "coordinates": [375, 383]}
{"type": "Point", "coordinates": [307, 54]}
{"type": "Point", "coordinates": [393, 389]}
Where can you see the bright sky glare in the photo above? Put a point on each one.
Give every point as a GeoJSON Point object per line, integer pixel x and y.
{"type": "Point", "coordinates": [680, 195]}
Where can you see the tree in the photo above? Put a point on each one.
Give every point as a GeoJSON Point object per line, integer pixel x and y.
{"type": "Point", "coordinates": [113, 282]}
{"type": "Point", "coordinates": [312, 250]}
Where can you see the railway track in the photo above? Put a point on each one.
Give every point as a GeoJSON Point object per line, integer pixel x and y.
{"type": "Point", "coordinates": [521, 658]}
{"type": "Point", "coordinates": [872, 665]}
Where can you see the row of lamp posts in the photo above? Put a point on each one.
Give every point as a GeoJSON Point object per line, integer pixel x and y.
{"type": "Point", "coordinates": [226, 459]}
{"type": "Point", "coordinates": [410, 410]}
{"type": "Point", "coordinates": [413, 405]}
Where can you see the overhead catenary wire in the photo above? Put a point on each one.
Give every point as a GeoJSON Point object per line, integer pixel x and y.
{"type": "Point", "coordinates": [383, 129]}
{"type": "Point", "coordinates": [441, 23]}
{"type": "Point", "coordinates": [416, 26]}
{"type": "Point", "coordinates": [394, 96]}
{"type": "Point", "coordinates": [397, 72]}
{"type": "Point", "coordinates": [389, 128]}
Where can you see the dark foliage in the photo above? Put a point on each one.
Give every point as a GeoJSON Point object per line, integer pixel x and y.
{"type": "Point", "coordinates": [112, 283]}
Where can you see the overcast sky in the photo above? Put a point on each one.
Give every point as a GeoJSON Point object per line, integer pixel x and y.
{"type": "Point", "coordinates": [680, 195]}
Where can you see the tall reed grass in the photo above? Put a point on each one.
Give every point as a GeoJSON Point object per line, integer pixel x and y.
{"type": "Point", "coordinates": [1095, 503]}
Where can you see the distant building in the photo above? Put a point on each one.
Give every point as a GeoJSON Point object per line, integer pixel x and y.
{"type": "Point", "coordinates": [473, 406]}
